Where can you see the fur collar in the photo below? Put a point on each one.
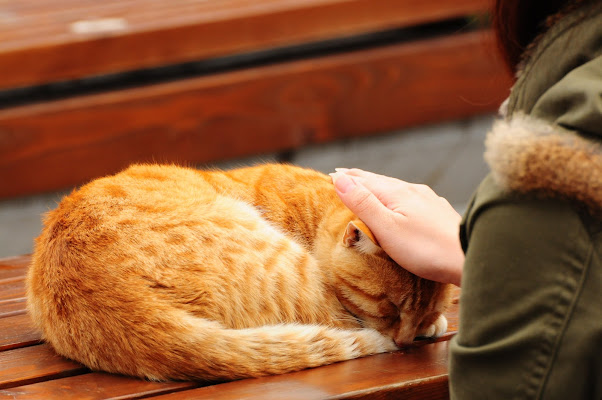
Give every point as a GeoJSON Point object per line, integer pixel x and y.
{"type": "Point", "coordinates": [530, 155]}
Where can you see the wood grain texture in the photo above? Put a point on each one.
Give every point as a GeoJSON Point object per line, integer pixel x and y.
{"type": "Point", "coordinates": [12, 306]}
{"type": "Point", "coordinates": [49, 146]}
{"type": "Point", "coordinates": [34, 364]}
{"type": "Point", "coordinates": [11, 288]}
{"type": "Point", "coordinates": [418, 372]}
{"type": "Point", "coordinates": [17, 331]}
{"type": "Point", "coordinates": [11, 267]}
{"type": "Point", "coordinates": [77, 38]}
{"type": "Point", "coordinates": [425, 389]}
{"type": "Point", "coordinates": [95, 386]}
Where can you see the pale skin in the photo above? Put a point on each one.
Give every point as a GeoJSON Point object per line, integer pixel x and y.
{"type": "Point", "coordinates": [414, 226]}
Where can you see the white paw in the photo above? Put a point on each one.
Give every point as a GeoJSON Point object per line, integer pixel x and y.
{"type": "Point", "coordinates": [378, 343]}
{"type": "Point", "coordinates": [436, 329]}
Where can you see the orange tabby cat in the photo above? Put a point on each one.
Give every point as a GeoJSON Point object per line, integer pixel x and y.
{"type": "Point", "coordinates": [165, 272]}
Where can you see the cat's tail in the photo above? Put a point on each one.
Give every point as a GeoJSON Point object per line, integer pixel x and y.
{"type": "Point", "coordinates": [211, 352]}
{"type": "Point", "coordinates": [284, 348]}
{"type": "Point", "coordinates": [188, 347]}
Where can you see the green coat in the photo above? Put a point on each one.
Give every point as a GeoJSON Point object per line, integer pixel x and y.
{"type": "Point", "coordinates": [531, 303]}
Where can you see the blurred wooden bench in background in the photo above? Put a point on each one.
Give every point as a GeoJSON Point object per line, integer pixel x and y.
{"type": "Point", "coordinates": [88, 87]}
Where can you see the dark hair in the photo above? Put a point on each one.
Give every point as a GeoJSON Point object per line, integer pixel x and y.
{"type": "Point", "coordinates": [517, 23]}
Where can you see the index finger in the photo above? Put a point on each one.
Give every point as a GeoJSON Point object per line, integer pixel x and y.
{"type": "Point", "coordinates": [387, 189]}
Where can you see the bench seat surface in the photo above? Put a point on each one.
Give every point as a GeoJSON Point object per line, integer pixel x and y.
{"type": "Point", "coordinates": [29, 368]}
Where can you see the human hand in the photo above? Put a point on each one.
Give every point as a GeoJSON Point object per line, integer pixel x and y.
{"type": "Point", "coordinates": [413, 225]}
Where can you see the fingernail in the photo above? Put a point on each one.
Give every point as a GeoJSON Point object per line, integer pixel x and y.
{"type": "Point", "coordinates": [341, 169]}
{"type": "Point", "coordinates": [342, 183]}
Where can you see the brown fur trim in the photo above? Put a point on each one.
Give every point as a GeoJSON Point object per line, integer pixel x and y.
{"type": "Point", "coordinates": [530, 155]}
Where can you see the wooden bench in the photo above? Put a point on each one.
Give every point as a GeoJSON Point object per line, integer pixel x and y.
{"type": "Point", "coordinates": [88, 87]}
{"type": "Point", "coordinates": [30, 369]}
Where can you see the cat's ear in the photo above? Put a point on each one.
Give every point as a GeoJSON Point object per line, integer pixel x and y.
{"type": "Point", "coordinates": [358, 235]}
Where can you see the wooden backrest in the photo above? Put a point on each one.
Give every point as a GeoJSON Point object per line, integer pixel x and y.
{"type": "Point", "coordinates": [44, 41]}
{"type": "Point", "coordinates": [200, 81]}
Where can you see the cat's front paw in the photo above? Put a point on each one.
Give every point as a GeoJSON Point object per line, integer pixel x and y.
{"type": "Point", "coordinates": [436, 329]}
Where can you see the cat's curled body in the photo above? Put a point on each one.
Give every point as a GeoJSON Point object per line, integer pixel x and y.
{"type": "Point", "coordinates": [165, 272]}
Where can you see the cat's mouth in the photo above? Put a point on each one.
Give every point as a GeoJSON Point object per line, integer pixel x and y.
{"type": "Point", "coordinates": [423, 338]}
{"type": "Point", "coordinates": [413, 341]}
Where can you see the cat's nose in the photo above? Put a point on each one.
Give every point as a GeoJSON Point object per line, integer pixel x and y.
{"type": "Point", "coordinates": [403, 343]}
{"type": "Point", "coordinates": [404, 338]}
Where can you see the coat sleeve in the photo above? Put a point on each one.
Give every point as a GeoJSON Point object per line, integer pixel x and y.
{"type": "Point", "coordinates": [529, 319]}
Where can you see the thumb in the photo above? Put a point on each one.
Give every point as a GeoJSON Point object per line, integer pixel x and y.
{"type": "Point", "coordinates": [360, 200]}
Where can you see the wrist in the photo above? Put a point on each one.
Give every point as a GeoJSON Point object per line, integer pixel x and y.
{"type": "Point", "coordinates": [453, 271]}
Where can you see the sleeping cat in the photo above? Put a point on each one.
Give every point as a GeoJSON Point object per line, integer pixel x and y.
{"type": "Point", "coordinates": [165, 272]}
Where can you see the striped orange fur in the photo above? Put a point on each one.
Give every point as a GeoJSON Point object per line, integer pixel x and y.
{"type": "Point", "coordinates": [165, 272]}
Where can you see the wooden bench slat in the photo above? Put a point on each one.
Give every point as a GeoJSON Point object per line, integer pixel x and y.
{"type": "Point", "coordinates": [248, 112]}
{"type": "Point", "coordinates": [142, 34]}
{"type": "Point", "coordinates": [13, 266]}
{"type": "Point", "coordinates": [17, 331]}
{"type": "Point", "coordinates": [392, 373]}
{"type": "Point", "coordinates": [417, 374]}
{"type": "Point", "coordinates": [12, 306]}
{"type": "Point", "coordinates": [11, 288]}
{"type": "Point", "coordinates": [95, 386]}
{"type": "Point", "coordinates": [34, 364]}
